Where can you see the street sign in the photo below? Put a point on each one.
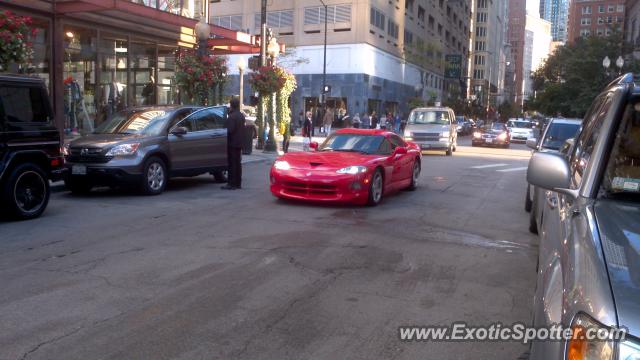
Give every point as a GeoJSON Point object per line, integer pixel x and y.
{"type": "Point", "coordinates": [453, 66]}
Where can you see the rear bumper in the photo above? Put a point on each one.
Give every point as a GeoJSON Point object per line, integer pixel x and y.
{"type": "Point", "coordinates": [333, 188]}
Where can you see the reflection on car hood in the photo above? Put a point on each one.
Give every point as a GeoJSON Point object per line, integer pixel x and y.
{"type": "Point", "coordinates": [620, 233]}
{"type": "Point", "coordinates": [326, 160]}
{"type": "Point", "coordinates": [103, 140]}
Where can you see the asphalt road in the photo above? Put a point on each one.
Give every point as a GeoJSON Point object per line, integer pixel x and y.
{"type": "Point", "coordinates": [202, 273]}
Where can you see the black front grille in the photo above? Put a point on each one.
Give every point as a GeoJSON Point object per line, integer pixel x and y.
{"type": "Point", "coordinates": [426, 136]}
{"type": "Point", "coordinates": [88, 155]}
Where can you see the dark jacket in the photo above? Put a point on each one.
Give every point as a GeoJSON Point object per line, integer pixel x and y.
{"type": "Point", "coordinates": [235, 129]}
{"type": "Point", "coordinates": [306, 128]}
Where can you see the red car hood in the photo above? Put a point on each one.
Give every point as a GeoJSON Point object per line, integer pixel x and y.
{"type": "Point", "coordinates": [326, 160]}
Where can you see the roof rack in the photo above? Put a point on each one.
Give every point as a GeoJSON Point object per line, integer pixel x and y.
{"type": "Point", "coordinates": [625, 79]}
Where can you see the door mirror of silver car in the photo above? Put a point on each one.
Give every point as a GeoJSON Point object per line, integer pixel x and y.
{"type": "Point", "coordinates": [532, 143]}
{"type": "Point", "coordinates": [551, 172]}
{"type": "Point", "coordinates": [179, 131]}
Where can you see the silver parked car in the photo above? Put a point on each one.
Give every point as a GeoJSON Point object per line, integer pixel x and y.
{"type": "Point", "coordinates": [555, 135]}
{"type": "Point", "coordinates": [433, 128]}
{"type": "Point", "coordinates": [145, 146]}
{"type": "Point", "coordinates": [589, 255]}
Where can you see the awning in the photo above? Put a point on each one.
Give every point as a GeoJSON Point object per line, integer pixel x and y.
{"type": "Point", "coordinates": [140, 17]}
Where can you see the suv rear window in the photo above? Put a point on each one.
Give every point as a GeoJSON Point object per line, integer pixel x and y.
{"type": "Point", "coordinates": [23, 104]}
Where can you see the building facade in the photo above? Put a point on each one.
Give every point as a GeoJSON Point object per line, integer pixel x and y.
{"type": "Point", "coordinates": [98, 58]}
{"type": "Point", "coordinates": [516, 38]}
{"type": "Point", "coordinates": [595, 17]}
{"type": "Point", "coordinates": [632, 25]}
{"type": "Point", "coordinates": [537, 45]}
{"type": "Point", "coordinates": [557, 12]}
{"type": "Point", "coordinates": [489, 53]}
{"type": "Point", "coordinates": [379, 53]}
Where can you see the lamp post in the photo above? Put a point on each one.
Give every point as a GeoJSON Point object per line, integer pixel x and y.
{"type": "Point", "coordinates": [324, 57]}
{"type": "Point", "coordinates": [620, 64]}
{"type": "Point", "coordinates": [203, 31]}
{"type": "Point", "coordinates": [263, 62]}
{"type": "Point", "coordinates": [273, 50]}
{"type": "Point", "coordinates": [241, 66]}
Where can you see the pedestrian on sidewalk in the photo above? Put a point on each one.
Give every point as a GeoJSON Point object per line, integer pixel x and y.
{"type": "Point", "coordinates": [396, 123]}
{"type": "Point", "coordinates": [327, 121]}
{"type": "Point", "coordinates": [383, 122]}
{"type": "Point", "coordinates": [286, 138]}
{"type": "Point", "coordinates": [366, 121]}
{"type": "Point", "coordinates": [307, 127]}
{"type": "Point", "coordinates": [374, 120]}
{"type": "Point", "coordinates": [356, 121]}
{"type": "Point", "coordinates": [235, 136]}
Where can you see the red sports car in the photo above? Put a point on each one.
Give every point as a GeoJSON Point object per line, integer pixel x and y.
{"type": "Point", "coordinates": [352, 166]}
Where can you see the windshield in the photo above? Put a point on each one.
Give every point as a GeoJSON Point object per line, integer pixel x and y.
{"type": "Point", "coordinates": [622, 175]}
{"type": "Point", "coordinates": [429, 117]}
{"type": "Point", "coordinates": [494, 127]}
{"type": "Point", "coordinates": [352, 143]}
{"type": "Point", "coordinates": [520, 124]}
{"type": "Point", "coordinates": [147, 122]}
{"type": "Point", "coordinates": [558, 134]}
{"type": "Point", "coordinates": [460, 119]}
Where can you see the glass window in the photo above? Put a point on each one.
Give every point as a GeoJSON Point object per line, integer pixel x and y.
{"type": "Point", "coordinates": [22, 104]}
{"type": "Point", "coordinates": [429, 117]}
{"type": "Point", "coordinates": [167, 94]}
{"type": "Point", "coordinates": [208, 119]}
{"type": "Point", "coordinates": [80, 45]}
{"type": "Point", "coordinates": [558, 134]}
{"type": "Point", "coordinates": [396, 141]}
{"type": "Point", "coordinates": [385, 148]}
{"type": "Point", "coordinates": [352, 143]}
{"type": "Point", "coordinates": [143, 68]}
{"type": "Point", "coordinates": [112, 50]}
{"type": "Point", "coordinates": [148, 122]}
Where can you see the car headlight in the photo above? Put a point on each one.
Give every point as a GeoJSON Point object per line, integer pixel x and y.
{"type": "Point", "coordinates": [583, 345]}
{"type": "Point", "coordinates": [123, 149]}
{"type": "Point", "coordinates": [281, 165]}
{"type": "Point", "coordinates": [445, 134]}
{"type": "Point", "coordinates": [459, 127]}
{"type": "Point", "coordinates": [502, 136]}
{"type": "Point", "coordinates": [629, 350]}
{"type": "Point", "coordinates": [352, 170]}
{"type": "Point", "coordinates": [65, 150]}
{"type": "Point", "coordinates": [477, 134]}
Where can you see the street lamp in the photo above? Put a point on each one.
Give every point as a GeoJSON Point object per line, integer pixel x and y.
{"type": "Point", "coordinates": [620, 64]}
{"type": "Point", "coordinates": [606, 62]}
{"type": "Point", "coordinates": [241, 66]}
{"type": "Point", "coordinates": [203, 31]}
{"type": "Point", "coordinates": [324, 58]}
{"type": "Point", "coordinates": [273, 49]}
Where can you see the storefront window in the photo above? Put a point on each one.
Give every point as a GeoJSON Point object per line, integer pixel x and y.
{"type": "Point", "coordinates": [79, 79]}
{"type": "Point", "coordinates": [113, 75]}
{"type": "Point", "coordinates": [167, 92]}
{"type": "Point", "coordinates": [143, 77]}
{"type": "Point", "coordinates": [41, 51]}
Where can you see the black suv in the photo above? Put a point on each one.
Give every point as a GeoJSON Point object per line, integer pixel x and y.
{"type": "Point", "coordinates": [30, 146]}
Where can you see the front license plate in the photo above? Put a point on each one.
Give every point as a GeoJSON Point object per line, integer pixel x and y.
{"type": "Point", "coordinates": [79, 170]}
{"type": "Point", "coordinates": [425, 146]}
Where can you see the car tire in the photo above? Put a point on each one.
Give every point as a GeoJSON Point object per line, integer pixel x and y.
{"type": "Point", "coordinates": [449, 151]}
{"type": "Point", "coordinates": [220, 176]}
{"type": "Point", "coordinates": [527, 199]}
{"type": "Point", "coordinates": [376, 188]}
{"type": "Point", "coordinates": [76, 186]}
{"type": "Point", "coordinates": [154, 176]}
{"type": "Point", "coordinates": [26, 192]}
{"type": "Point", "coordinates": [415, 175]}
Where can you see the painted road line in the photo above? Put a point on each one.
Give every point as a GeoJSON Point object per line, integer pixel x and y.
{"type": "Point", "coordinates": [488, 166]}
{"type": "Point", "coordinates": [514, 169]}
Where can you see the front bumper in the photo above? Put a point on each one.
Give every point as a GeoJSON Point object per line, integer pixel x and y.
{"type": "Point", "coordinates": [520, 137]}
{"type": "Point", "coordinates": [489, 141]}
{"type": "Point", "coordinates": [115, 172]}
{"type": "Point", "coordinates": [433, 145]}
{"type": "Point", "coordinates": [320, 186]}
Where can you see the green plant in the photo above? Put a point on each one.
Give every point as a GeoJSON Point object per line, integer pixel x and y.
{"type": "Point", "coordinates": [15, 35]}
{"type": "Point", "coordinates": [199, 76]}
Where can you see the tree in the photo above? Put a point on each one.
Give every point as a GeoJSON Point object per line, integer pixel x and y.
{"type": "Point", "coordinates": [507, 110]}
{"type": "Point", "coordinates": [573, 75]}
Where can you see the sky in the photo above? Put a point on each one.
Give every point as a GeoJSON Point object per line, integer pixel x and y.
{"type": "Point", "coordinates": [533, 6]}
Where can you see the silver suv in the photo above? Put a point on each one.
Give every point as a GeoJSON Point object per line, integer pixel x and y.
{"type": "Point", "coordinates": [433, 128]}
{"type": "Point", "coordinates": [145, 146]}
{"type": "Point", "coordinates": [589, 253]}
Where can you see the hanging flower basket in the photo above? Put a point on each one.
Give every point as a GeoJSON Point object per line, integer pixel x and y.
{"type": "Point", "coordinates": [268, 79]}
{"type": "Point", "coordinates": [15, 39]}
{"type": "Point", "coordinates": [197, 75]}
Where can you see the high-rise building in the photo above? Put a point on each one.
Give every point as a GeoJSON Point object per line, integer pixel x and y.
{"type": "Point", "coordinates": [595, 17]}
{"type": "Point", "coordinates": [488, 53]}
{"type": "Point", "coordinates": [516, 38]}
{"type": "Point", "coordinates": [380, 53]}
{"type": "Point", "coordinates": [557, 12]}
{"type": "Point", "coordinates": [537, 45]}
{"type": "Point", "coordinates": [632, 25]}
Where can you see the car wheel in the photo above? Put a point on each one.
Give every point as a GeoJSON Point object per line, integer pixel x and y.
{"type": "Point", "coordinates": [527, 199]}
{"type": "Point", "coordinates": [220, 176]}
{"type": "Point", "coordinates": [449, 151]}
{"type": "Point", "coordinates": [376, 188]}
{"type": "Point", "coordinates": [77, 186]}
{"type": "Point", "coordinates": [415, 175]}
{"type": "Point", "coordinates": [154, 176]}
{"type": "Point", "coordinates": [26, 192]}
{"type": "Point", "coordinates": [533, 224]}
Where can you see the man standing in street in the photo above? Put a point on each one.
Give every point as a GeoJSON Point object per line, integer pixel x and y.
{"type": "Point", "coordinates": [235, 136]}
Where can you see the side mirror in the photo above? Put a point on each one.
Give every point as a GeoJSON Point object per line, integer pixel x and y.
{"type": "Point", "coordinates": [179, 131]}
{"type": "Point", "coordinates": [532, 143]}
{"type": "Point", "coordinates": [551, 172]}
{"type": "Point", "coordinates": [400, 151]}
{"type": "Point", "coordinates": [313, 145]}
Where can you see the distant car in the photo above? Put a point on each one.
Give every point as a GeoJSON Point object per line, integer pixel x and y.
{"type": "Point", "coordinates": [30, 147]}
{"type": "Point", "coordinates": [588, 273]}
{"type": "Point", "coordinates": [145, 146]}
{"type": "Point", "coordinates": [433, 128]}
{"type": "Point", "coordinates": [521, 130]}
{"type": "Point", "coordinates": [354, 166]}
{"type": "Point", "coordinates": [555, 135]}
{"type": "Point", "coordinates": [495, 134]}
{"type": "Point", "coordinates": [463, 126]}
